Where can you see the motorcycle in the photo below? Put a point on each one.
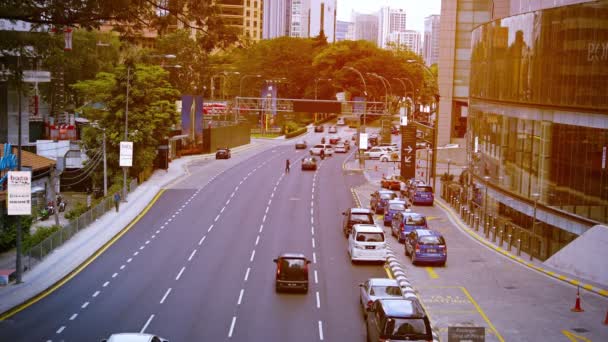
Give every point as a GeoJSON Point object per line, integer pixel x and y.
{"type": "Point", "coordinates": [50, 208]}
{"type": "Point", "coordinates": [62, 206]}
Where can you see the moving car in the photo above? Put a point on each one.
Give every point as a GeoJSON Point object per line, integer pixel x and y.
{"type": "Point", "coordinates": [379, 199]}
{"type": "Point", "coordinates": [390, 156]}
{"type": "Point", "coordinates": [319, 128]}
{"type": "Point", "coordinates": [292, 272]}
{"type": "Point", "coordinates": [309, 163]}
{"type": "Point", "coordinates": [404, 222]}
{"type": "Point", "coordinates": [395, 130]}
{"type": "Point", "coordinates": [376, 288]}
{"type": "Point", "coordinates": [366, 243]}
{"type": "Point", "coordinates": [425, 245]}
{"type": "Point", "coordinates": [301, 145]}
{"type": "Point", "coordinates": [400, 319]}
{"type": "Point", "coordinates": [223, 153]}
{"type": "Point", "coordinates": [422, 194]}
{"type": "Point", "coordinates": [341, 148]}
{"type": "Point", "coordinates": [375, 152]}
{"type": "Point", "coordinates": [334, 139]}
{"type": "Point", "coordinates": [392, 183]}
{"type": "Point", "coordinates": [316, 150]}
{"type": "Point", "coordinates": [332, 129]}
{"type": "Point", "coordinates": [134, 337]}
{"type": "Point", "coordinates": [341, 122]}
{"type": "Point", "coordinates": [373, 139]}
{"type": "Point", "coordinates": [393, 207]}
{"type": "Point", "coordinates": [354, 216]}
{"type": "Point", "coordinates": [390, 146]}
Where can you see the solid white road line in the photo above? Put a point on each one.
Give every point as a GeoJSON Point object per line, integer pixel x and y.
{"type": "Point", "coordinates": [318, 301]}
{"type": "Point", "coordinates": [84, 305]}
{"type": "Point", "coordinates": [232, 326]}
{"type": "Point", "coordinates": [316, 278]}
{"type": "Point", "coordinates": [320, 330]}
{"type": "Point", "coordinates": [201, 241]}
{"type": "Point", "coordinates": [180, 273]}
{"type": "Point", "coordinates": [165, 296]}
{"type": "Point", "coordinates": [252, 256]}
{"type": "Point", "coordinates": [147, 323]}
{"type": "Point", "coordinates": [247, 273]}
{"type": "Point", "coordinates": [73, 317]}
{"type": "Point", "coordinates": [192, 255]}
{"type": "Point", "coordinates": [240, 297]}
{"type": "Point", "coordinates": [60, 329]}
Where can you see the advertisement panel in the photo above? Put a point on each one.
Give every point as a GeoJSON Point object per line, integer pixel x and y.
{"type": "Point", "coordinates": [126, 154]}
{"type": "Point", "coordinates": [19, 192]}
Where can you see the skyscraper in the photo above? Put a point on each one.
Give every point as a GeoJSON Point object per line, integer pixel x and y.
{"type": "Point", "coordinates": [300, 18]}
{"type": "Point", "coordinates": [323, 17]}
{"type": "Point", "coordinates": [245, 16]}
{"type": "Point", "coordinates": [410, 38]}
{"type": "Point", "coordinates": [431, 39]}
{"type": "Point", "coordinates": [277, 17]}
{"type": "Point", "coordinates": [345, 30]}
{"type": "Point", "coordinates": [390, 20]}
{"type": "Point", "coordinates": [366, 27]}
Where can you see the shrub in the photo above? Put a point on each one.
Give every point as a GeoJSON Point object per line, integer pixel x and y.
{"type": "Point", "coordinates": [78, 210]}
{"type": "Point", "coordinates": [291, 126]}
{"type": "Point", "coordinates": [296, 133]}
{"type": "Point", "coordinates": [39, 236]}
{"type": "Point", "coordinates": [8, 230]}
{"type": "Point", "coordinates": [447, 177]}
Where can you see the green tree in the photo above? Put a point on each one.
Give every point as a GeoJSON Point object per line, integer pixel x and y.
{"type": "Point", "coordinates": [151, 114]}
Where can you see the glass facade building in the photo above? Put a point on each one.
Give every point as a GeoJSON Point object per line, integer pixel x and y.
{"type": "Point", "coordinates": [538, 121]}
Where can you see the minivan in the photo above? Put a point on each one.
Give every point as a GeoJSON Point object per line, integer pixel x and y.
{"type": "Point", "coordinates": [366, 243]}
{"type": "Point", "coordinates": [425, 245]}
{"type": "Point", "coordinates": [292, 272]}
{"type": "Point", "coordinates": [404, 222]}
{"type": "Point", "coordinates": [422, 194]}
{"type": "Point", "coordinates": [398, 320]}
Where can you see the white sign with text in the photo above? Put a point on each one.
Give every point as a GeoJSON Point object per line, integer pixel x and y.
{"type": "Point", "coordinates": [19, 192]}
{"type": "Point", "coordinates": [126, 154]}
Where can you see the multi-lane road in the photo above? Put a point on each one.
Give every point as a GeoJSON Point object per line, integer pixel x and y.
{"type": "Point", "coordinates": [198, 267]}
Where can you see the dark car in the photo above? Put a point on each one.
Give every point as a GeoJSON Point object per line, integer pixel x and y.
{"type": "Point", "coordinates": [309, 163]}
{"type": "Point", "coordinates": [373, 140]}
{"type": "Point", "coordinates": [395, 130]}
{"type": "Point", "coordinates": [223, 153]}
{"type": "Point", "coordinates": [379, 199]}
{"type": "Point", "coordinates": [425, 245]}
{"type": "Point", "coordinates": [292, 272]}
{"type": "Point", "coordinates": [301, 145]}
{"type": "Point", "coordinates": [398, 320]}
{"type": "Point", "coordinates": [334, 140]}
{"type": "Point", "coordinates": [393, 207]}
{"type": "Point", "coordinates": [404, 222]}
{"type": "Point", "coordinates": [354, 216]}
{"type": "Point", "coordinates": [422, 194]}
{"type": "Point", "coordinates": [319, 128]}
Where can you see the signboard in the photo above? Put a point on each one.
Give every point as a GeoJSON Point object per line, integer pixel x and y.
{"type": "Point", "coordinates": [408, 151]}
{"type": "Point", "coordinates": [403, 120]}
{"type": "Point", "coordinates": [363, 141]}
{"type": "Point", "coordinates": [468, 334]}
{"type": "Point", "coordinates": [19, 192]}
{"type": "Point", "coordinates": [126, 154]}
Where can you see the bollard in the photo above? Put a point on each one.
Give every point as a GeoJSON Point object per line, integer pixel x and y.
{"type": "Point", "coordinates": [530, 248]}
{"type": "Point", "coordinates": [493, 233]}
{"type": "Point", "coordinates": [476, 222]}
{"type": "Point", "coordinates": [510, 237]}
{"type": "Point", "coordinates": [500, 237]}
{"type": "Point", "coordinates": [518, 247]}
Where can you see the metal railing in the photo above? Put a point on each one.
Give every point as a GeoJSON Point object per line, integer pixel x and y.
{"type": "Point", "coordinates": [37, 253]}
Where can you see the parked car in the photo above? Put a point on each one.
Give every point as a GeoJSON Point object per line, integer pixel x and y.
{"type": "Point", "coordinates": [373, 139]}
{"type": "Point", "coordinates": [393, 207]}
{"type": "Point", "coordinates": [404, 222]}
{"type": "Point", "coordinates": [341, 122]}
{"type": "Point", "coordinates": [223, 153]}
{"type": "Point", "coordinates": [425, 245]}
{"type": "Point", "coordinates": [422, 194]}
{"type": "Point", "coordinates": [354, 216]}
{"type": "Point", "coordinates": [309, 163]}
{"type": "Point", "coordinates": [316, 150]}
{"type": "Point", "coordinates": [366, 243]}
{"type": "Point", "coordinates": [301, 144]}
{"type": "Point", "coordinates": [395, 130]}
{"type": "Point", "coordinates": [332, 129]}
{"type": "Point", "coordinates": [292, 272]}
{"type": "Point", "coordinates": [341, 148]}
{"type": "Point", "coordinates": [399, 319]}
{"type": "Point", "coordinates": [376, 288]}
{"type": "Point", "coordinates": [392, 183]}
{"type": "Point", "coordinates": [334, 139]}
{"type": "Point", "coordinates": [375, 152]}
{"type": "Point", "coordinates": [134, 337]}
{"type": "Point", "coordinates": [379, 199]}
{"type": "Point", "coordinates": [319, 128]}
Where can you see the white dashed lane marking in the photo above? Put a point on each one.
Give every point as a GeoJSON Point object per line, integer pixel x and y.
{"type": "Point", "coordinates": [73, 317]}
{"type": "Point", "coordinates": [60, 329]}
{"type": "Point", "coordinates": [84, 305]}
{"type": "Point", "coordinates": [192, 255]}
{"type": "Point", "coordinates": [318, 301]}
{"type": "Point", "coordinates": [240, 297]}
{"type": "Point", "coordinates": [252, 256]}
{"type": "Point", "coordinates": [201, 241]}
{"type": "Point", "coordinates": [232, 326]}
{"type": "Point", "coordinates": [147, 323]}
{"type": "Point", "coordinates": [180, 273]}
{"type": "Point", "coordinates": [165, 296]}
{"type": "Point", "coordinates": [247, 273]}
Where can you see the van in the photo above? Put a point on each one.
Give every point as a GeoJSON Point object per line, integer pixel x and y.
{"type": "Point", "coordinates": [398, 319]}
{"type": "Point", "coordinates": [366, 242]}
{"type": "Point", "coordinates": [292, 272]}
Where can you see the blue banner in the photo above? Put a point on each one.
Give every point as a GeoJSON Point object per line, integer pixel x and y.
{"type": "Point", "coordinates": [198, 119]}
{"type": "Point", "coordinates": [187, 101]}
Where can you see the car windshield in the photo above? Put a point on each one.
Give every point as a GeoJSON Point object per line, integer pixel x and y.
{"type": "Point", "coordinates": [385, 291]}
{"type": "Point", "coordinates": [362, 218]}
{"type": "Point", "coordinates": [431, 240]}
{"type": "Point", "coordinates": [387, 196]}
{"type": "Point", "coordinates": [319, 146]}
{"type": "Point", "coordinates": [413, 328]}
{"type": "Point", "coordinates": [415, 220]}
{"type": "Point", "coordinates": [396, 206]}
{"type": "Point", "coordinates": [424, 189]}
{"type": "Point", "coordinates": [370, 237]}
{"type": "Point", "coordinates": [292, 269]}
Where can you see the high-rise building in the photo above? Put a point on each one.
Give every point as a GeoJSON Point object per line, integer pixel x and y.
{"type": "Point", "coordinates": [409, 38]}
{"type": "Point", "coordinates": [246, 16]}
{"type": "Point", "coordinates": [323, 17]}
{"type": "Point", "coordinates": [300, 18]}
{"type": "Point", "coordinates": [277, 18]}
{"type": "Point", "coordinates": [390, 20]}
{"type": "Point", "coordinates": [430, 49]}
{"type": "Point", "coordinates": [345, 30]}
{"type": "Point", "coordinates": [366, 27]}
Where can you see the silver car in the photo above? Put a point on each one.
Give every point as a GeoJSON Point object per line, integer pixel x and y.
{"type": "Point", "coordinates": [377, 288]}
{"type": "Point", "coordinates": [135, 337]}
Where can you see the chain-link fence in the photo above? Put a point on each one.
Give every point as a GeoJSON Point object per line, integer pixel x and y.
{"type": "Point", "coordinates": [40, 251]}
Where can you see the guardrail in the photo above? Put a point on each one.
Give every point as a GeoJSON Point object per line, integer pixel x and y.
{"type": "Point", "coordinates": [37, 253]}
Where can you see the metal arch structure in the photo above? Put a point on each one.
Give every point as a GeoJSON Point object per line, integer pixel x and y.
{"type": "Point", "coordinates": [256, 104]}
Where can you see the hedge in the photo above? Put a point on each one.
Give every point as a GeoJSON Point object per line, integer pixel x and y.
{"type": "Point", "coordinates": [296, 133]}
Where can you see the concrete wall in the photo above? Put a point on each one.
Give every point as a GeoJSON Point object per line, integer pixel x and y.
{"type": "Point", "coordinates": [228, 136]}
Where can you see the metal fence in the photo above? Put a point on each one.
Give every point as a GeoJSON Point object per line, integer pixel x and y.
{"type": "Point", "coordinates": [37, 253]}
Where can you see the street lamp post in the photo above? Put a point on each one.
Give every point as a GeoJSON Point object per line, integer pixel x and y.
{"type": "Point", "coordinates": [124, 169]}
{"type": "Point", "coordinates": [361, 128]}
{"type": "Point", "coordinates": [485, 200]}
{"type": "Point", "coordinates": [226, 73]}
{"type": "Point", "coordinates": [385, 88]}
{"type": "Point", "coordinates": [535, 196]}
{"type": "Point", "coordinates": [242, 80]}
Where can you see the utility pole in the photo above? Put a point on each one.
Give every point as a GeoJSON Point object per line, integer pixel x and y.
{"type": "Point", "coordinates": [54, 195]}
{"type": "Point", "coordinates": [105, 166]}
{"type": "Point", "coordinates": [18, 235]}
{"type": "Point", "coordinates": [124, 169]}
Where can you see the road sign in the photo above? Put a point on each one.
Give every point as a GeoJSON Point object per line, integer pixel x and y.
{"type": "Point", "coordinates": [462, 334]}
{"type": "Point", "coordinates": [408, 151]}
{"type": "Point", "coordinates": [19, 192]}
{"type": "Point", "coordinates": [126, 154]}
{"type": "Point", "coordinates": [363, 141]}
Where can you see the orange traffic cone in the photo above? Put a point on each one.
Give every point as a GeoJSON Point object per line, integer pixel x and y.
{"type": "Point", "coordinates": [577, 305]}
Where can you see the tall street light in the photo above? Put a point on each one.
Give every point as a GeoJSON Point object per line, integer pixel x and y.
{"type": "Point", "coordinates": [364, 91]}
{"type": "Point", "coordinates": [317, 81]}
{"type": "Point", "coordinates": [242, 80]}
{"type": "Point", "coordinates": [384, 85]}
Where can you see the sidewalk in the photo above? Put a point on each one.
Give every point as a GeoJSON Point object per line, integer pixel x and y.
{"type": "Point", "coordinates": [373, 176]}
{"type": "Point", "coordinates": [56, 268]}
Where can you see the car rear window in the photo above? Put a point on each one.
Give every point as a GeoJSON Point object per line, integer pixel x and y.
{"type": "Point", "coordinates": [415, 220]}
{"type": "Point", "coordinates": [383, 291]}
{"type": "Point", "coordinates": [362, 218]}
{"type": "Point", "coordinates": [397, 206]}
{"type": "Point", "coordinates": [293, 269]}
{"type": "Point", "coordinates": [431, 240]}
{"type": "Point", "coordinates": [319, 146]}
{"type": "Point", "coordinates": [388, 196]}
{"type": "Point", "coordinates": [424, 189]}
{"type": "Point", "coordinates": [411, 328]}
{"type": "Point", "coordinates": [370, 237]}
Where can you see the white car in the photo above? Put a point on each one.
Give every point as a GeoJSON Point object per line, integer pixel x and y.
{"type": "Point", "coordinates": [377, 288]}
{"type": "Point", "coordinates": [375, 152]}
{"type": "Point", "coordinates": [134, 337]}
{"type": "Point", "coordinates": [316, 150]}
{"type": "Point", "coordinates": [391, 147]}
{"type": "Point", "coordinates": [333, 129]}
{"type": "Point", "coordinates": [341, 122]}
{"type": "Point", "coordinates": [390, 156]}
{"type": "Point", "coordinates": [340, 148]}
{"type": "Point", "coordinates": [366, 243]}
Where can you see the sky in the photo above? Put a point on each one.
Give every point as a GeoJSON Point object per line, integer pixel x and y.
{"type": "Point", "coordinates": [416, 10]}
